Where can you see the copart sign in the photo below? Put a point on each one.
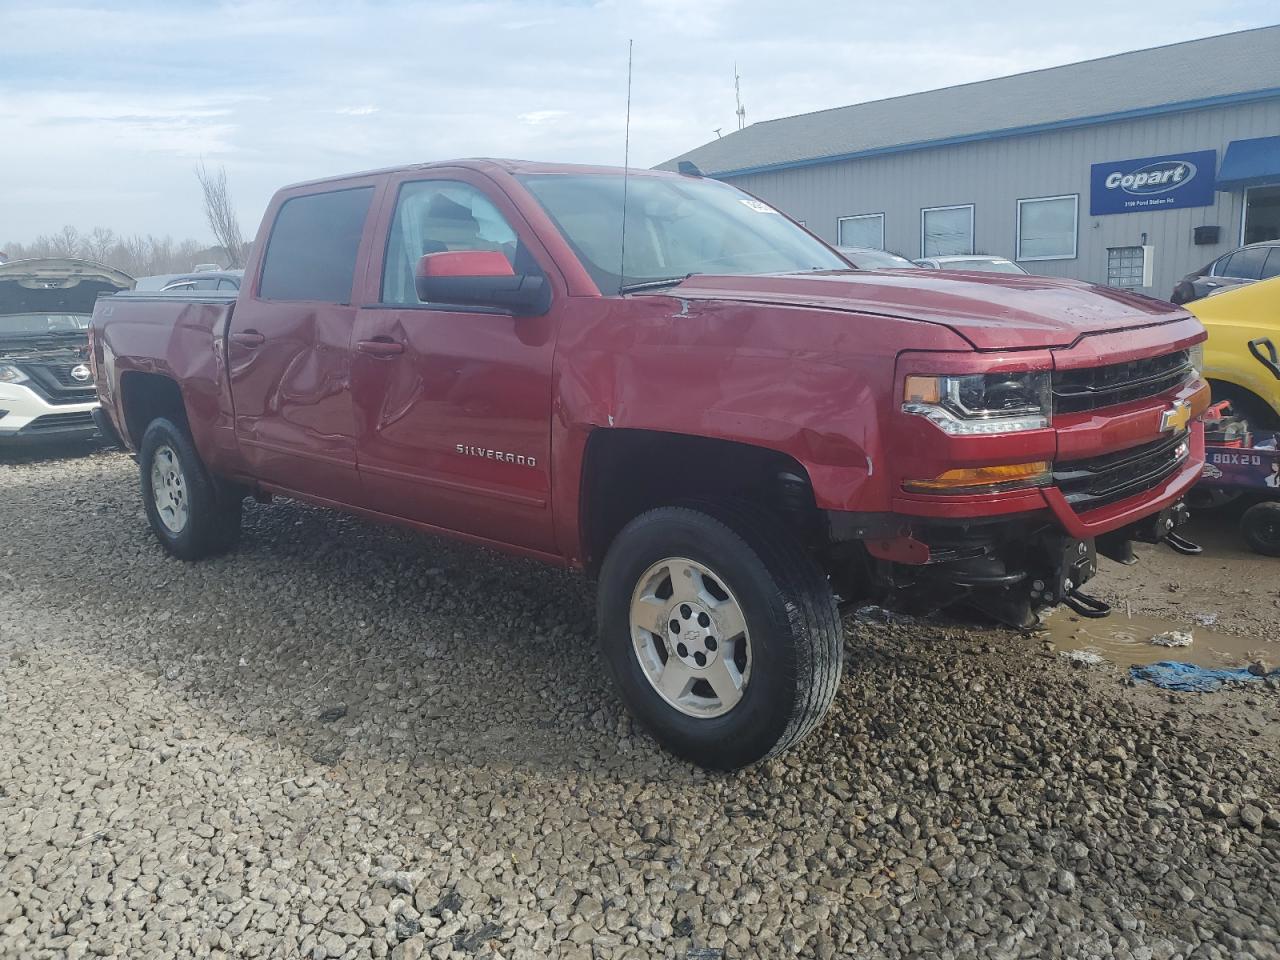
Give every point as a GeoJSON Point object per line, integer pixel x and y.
{"type": "Point", "coordinates": [1153, 183]}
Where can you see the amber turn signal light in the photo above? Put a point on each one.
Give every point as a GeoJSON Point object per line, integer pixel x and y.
{"type": "Point", "coordinates": [984, 479]}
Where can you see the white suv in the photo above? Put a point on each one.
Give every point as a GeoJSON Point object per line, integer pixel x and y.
{"type": "Point", "coordinates": [46, 386]}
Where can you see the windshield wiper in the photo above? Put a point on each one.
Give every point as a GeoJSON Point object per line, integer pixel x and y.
{"type": "Point", "coordinates": [653, 284]}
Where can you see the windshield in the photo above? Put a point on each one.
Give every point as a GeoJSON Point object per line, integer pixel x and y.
{"type": "Point", "coordinates": [41, 324]}
{"type": "Point", "coordinates": [675, 227]}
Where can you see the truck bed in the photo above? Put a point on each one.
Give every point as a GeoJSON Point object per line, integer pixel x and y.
{"type": "Point", "coordinates": [178, 336]}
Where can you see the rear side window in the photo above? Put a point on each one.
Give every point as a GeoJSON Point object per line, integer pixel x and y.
{"type": "Point", "coordinates": [312, 251]}
{"type": "Point", "coordinates": [1245, 264]}
{"type": "Point", "coordinates": [1272, 268]}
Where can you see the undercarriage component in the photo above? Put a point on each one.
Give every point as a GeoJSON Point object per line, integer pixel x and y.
{"type": "Point", "coordinates": [1087, 606]}
{"type": "Point", "coordinates": [1180, 544]}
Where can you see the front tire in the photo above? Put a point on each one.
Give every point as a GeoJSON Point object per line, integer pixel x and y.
{"type": "Point", "coordinates": [721, 633]}
{"type": "Point", "coordinates": [191, 514]}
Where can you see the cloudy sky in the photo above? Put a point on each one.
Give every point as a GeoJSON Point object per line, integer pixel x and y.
{"type": "Point", "coordinates": [106, 108]}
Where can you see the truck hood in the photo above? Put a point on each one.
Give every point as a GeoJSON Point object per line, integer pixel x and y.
{"type": "Point", "coordinates": [56, 285]}
{"type": "Point", "coordinates": [992, 311]}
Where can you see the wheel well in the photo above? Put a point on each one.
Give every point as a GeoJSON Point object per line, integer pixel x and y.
{"type": "Point", "coordinates": [145, 397]}
{"type": "Point", "coordinates": [1245, 403]}
{"type": "Point", "coordinates": [627, 472]}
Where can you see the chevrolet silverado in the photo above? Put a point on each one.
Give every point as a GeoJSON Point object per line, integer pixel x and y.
{"type": "Point", "coordinates": [695, 401]}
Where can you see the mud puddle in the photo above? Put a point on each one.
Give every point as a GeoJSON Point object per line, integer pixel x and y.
{"type": "Point", "coordinates": [1125, 640]}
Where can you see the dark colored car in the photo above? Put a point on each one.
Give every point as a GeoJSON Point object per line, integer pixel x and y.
{"type": "Point", "coordinates": [725, 427]}
{"type": "Point", "coordinates": [1255, 261]}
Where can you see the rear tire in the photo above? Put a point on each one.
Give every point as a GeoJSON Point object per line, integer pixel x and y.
{"type": "Point", "coordinates": [720, 631]}
{"type": "Point", "coordinates": [191, 513]}
{"type": "Point", "coordinates": [1260, 525]}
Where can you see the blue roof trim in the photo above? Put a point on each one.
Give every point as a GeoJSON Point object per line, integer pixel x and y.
{"type": "Point", "coordinates": [1227, 99]}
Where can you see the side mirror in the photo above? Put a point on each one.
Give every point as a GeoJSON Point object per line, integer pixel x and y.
{"type": "Point", "coordinates": [480, 278]}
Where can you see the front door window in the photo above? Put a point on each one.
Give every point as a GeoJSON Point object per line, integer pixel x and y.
{"type": "Point", "coordinates": [433, 216]}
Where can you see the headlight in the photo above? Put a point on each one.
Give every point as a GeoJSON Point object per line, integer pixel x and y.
{"type": "Point", "coordinates": [1196, 356]}
{"type": "Point", "coordinates": [11, 374]}
{"type": "Point", "coordinates": [981, 403]}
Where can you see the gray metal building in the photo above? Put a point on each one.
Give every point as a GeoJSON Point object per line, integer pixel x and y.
{"type": "Point", "coordinates": [1133, 169]}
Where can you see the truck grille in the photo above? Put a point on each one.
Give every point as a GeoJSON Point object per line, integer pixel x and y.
{"type": "Point", "coordinates": [1098, 481]}
{"type": "Point", "coordinates": [1077, 390]}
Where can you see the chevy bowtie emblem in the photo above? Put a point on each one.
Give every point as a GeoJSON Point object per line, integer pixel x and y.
{"type": "Point", "coordinates": [1176, 417]}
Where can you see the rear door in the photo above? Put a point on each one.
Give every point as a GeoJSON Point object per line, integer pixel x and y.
{"type": "Point", "coordinates": [453, 403]}
{"type": "Point", "coordinates": [289, 344]}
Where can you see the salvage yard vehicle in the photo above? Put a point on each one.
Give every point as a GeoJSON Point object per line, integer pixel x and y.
{"type": "Point", "coordinates": [970, 263]}
{"type": "Point", "coordinates": [713, 416]}
{"type": "Point", "coordinates": [1242, 354]}
{"type": "Point", "coordinates": [1240, 267]}
{"type": "Point", "coordinates": [869, 258]}
{"type": "Point", "coordinates": [46, 386]}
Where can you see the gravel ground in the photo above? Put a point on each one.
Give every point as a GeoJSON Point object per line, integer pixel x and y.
{"type": "Point", "coordinates": [344, 741]}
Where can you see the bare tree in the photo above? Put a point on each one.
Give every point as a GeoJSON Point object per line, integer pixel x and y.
{"type": "Point", "coordinates": [221, 214]}
{"type": "Point", "coordinates": [99, 244]}
{"type": "Point", "coordinates": [65, 243]}
{"type": "Point", "coordinates": [137, 255]}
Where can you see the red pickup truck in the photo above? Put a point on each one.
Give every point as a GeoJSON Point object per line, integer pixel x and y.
{"type": "Point", "coordinates": [698, 403]}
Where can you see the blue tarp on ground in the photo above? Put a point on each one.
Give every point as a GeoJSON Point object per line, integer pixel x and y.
{"type": "Point", "coordinates": [1193, 679]}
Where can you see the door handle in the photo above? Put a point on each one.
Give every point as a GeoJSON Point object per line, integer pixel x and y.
{"type": "Point", "coordinates": [248, 338]}
{"type": "Point", "coordinates": [380, 348]}
{"type": "Point", "coordinates": [1272, 360]}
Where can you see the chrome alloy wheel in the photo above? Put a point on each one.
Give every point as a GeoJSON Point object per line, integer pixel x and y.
{"type": "Point", "coordinates": [169, 489]}
{"type": "Point", "coordinates": [690, 637]}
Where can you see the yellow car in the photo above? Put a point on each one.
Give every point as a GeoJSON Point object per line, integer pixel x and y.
{"type": "Point", "coordinates": [1242, 355]}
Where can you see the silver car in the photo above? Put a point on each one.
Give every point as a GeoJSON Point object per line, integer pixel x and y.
{"type": "Point", "coordinates": [972, 263]}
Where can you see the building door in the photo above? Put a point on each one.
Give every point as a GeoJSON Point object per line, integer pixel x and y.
{"type": "Point", "coordinates": [1261, 214]}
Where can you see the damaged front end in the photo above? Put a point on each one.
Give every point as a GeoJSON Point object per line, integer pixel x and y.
{"type": "Point", "coordinates": [1010, 568]}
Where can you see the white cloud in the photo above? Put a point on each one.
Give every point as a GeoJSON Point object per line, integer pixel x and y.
{"type": "Point", "coordinates": [285, 90]}
{"type": "Point", "coordinates": [536, 118]}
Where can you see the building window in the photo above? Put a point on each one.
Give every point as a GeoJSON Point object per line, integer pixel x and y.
{"type": "Point", "coordinates": [1128, 267]}
{"type": "Point", "coordinates": [864, 230]}
{"type": "Point", "coordinates": [1261, 215]}
{"type": "Point", "coordinates": [1047, 228]}
{"type": "Point", "coordinates": [946, 231]}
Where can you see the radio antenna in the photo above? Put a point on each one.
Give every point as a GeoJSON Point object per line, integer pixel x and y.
{"type": "Point", "coordinates": [741, 112]}
{"type": "Point", "coordinates": [626, 171]}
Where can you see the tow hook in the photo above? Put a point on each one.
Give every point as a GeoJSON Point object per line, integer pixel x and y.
{"type": "Point", "coordinates": [1180, 544]}
{"type": "Point", "coordinates": [1166, 530]}
{"type": "Point", "coordinates": [1159, 528]}
{"type": "Point", "coordinates": [1086, 606]}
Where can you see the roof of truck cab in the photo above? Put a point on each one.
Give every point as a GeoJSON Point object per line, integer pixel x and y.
{"type": "Point", "coordinates": [485, 165]}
